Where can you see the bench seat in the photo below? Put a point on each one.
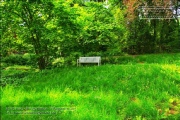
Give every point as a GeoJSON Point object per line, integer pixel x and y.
{"type": "Point", "coordinates": [96, 59]}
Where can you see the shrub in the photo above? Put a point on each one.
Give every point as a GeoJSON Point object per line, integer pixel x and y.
{"type": "Point", "coordinates": [14, 59]}
{"type": "Point", "coordinates": [94, 54]}
{"type": "Point", "coordinates": [58, 62]}
{"type": "Point", "coordinates": [72, 59]}
{"type": "Point", "coordinates": [26, 59]}
{"type": "Point", "coordinates": [30, 58]}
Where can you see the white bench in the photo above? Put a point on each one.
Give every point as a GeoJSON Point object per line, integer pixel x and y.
{"type": "Point", "coordinates": [89, 60]}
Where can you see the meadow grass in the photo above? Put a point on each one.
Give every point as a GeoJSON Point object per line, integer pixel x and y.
{"type": "Point", "coordinates": [144, 88]}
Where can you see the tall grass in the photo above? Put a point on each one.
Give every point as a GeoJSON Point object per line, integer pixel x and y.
{"type": "Point", "coordinates": [133, 91]}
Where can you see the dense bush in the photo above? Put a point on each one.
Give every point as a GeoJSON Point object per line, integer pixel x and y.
{"type": "Point", "coordinates": [26, 59]}
{"type": "Point", "coordinates": [58, 62]}
{"type": "Point", "coordinates": [14, 59]}
{"type": "Point", "coordinates": [31, 58]}
{"type": "Point", "coordinates": [71, 60]}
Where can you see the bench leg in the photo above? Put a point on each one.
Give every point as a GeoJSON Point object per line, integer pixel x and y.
{"type": "Point", "coordinates": [99, 63]}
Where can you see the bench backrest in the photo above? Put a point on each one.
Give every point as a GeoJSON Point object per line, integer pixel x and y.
{"type": "Point", "coordinates": [89, 59]}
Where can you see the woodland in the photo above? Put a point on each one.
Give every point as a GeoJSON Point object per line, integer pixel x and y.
{"type": "Point", "coordinates": [54, 33]}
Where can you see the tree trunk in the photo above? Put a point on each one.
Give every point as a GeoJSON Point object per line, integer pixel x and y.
{"type": "Point", "coordinates": [155, 33]}
{"type": "Point", "coordinates": [41, 63]}
{"type": "Point", "coordinates": [39, 52]}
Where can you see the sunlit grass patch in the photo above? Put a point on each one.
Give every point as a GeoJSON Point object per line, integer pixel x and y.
{"type": "Point", "coordinates": [10, 70]}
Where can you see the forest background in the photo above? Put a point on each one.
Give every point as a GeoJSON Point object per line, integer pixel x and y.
{"type": "Point", "coordinates": [52, 33]}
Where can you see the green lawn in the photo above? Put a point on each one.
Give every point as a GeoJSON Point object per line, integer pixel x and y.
{"type": "Point", "coordinates": [143, 87]}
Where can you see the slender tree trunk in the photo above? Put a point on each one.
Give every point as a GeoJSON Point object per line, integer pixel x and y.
{"type": "Point", "coordinates": [162, 38]}
{"type": "Point", "coordinates": [155, 33]}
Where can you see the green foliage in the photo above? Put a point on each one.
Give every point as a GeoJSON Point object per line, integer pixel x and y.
{"type": "Point", "coordinates": [153, 36]}
{"type": "Point", "coordinates": [71, 60]}
{"type": "Point", "coordinates": [37, 24]}
{"type": "Point", "coordinates": [30, 59]}
{"type": "Point", "coordinates": [101, 30]}
{"type": "Point", "coordinates": [19, 59]}
{"type": "Point", "coordinates": [58, 62]}
{"type": "Point", "coordinates": [14, 59]}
